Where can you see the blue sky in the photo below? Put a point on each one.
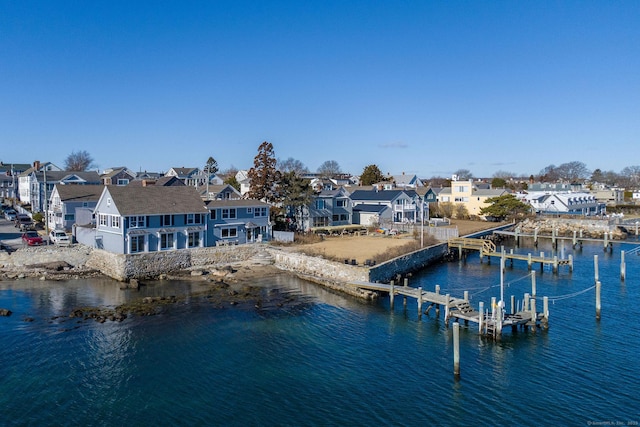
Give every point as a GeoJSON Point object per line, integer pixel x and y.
{"type": "Point", "coordinates": [424, 87]}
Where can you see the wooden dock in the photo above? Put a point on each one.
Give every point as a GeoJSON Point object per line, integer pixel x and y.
{"type": "Point", "coordinates": [490, 322]}
{"type": "Point", "coordinates": [577, 238]}
{"type": "Point", "coordinates": [488, 248]}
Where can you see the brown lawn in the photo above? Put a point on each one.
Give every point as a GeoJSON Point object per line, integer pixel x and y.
{"type": "Point", "coordinates": [362, 248]}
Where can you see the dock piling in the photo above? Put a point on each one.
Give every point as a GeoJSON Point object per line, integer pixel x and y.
{"type": "Point", "coordinates": [481, 317]}
{"type": "Point", "coordinates": [623, 266]}
{"type": "Point", "coordinates": [598, 286]}
{"type": "Point", "coordinates": [595, 268]}
{"type": "Point", "coordinates": [391, 294]}
{"type": "Point", "coordinates": [456, 349]}
{"type": "Point", "coordinates": [420, 302]}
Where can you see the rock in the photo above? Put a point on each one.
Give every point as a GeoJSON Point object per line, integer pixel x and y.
{"type": "Point", "coordinates": [197, 273]}
{"type": "Point", "coordinates": [5, 312]}
{"type": "Point", "coordinates": [134, 284]}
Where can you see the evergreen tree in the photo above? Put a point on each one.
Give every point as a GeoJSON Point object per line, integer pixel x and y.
{"type": "Point", "coordinates": [370, 175]}
{"type": "Point", "coordinates": [296, 195]}
{"type": "Point", "coordinates": [505, 206]}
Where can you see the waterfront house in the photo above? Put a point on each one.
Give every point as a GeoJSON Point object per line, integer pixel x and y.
{"type": "Point", "coordinates": [66, 201]}
{"type": "Point", "coordinates": [237, 221]}
{"type": "Point", "coordinates": [134, 219]}
{"type": "Point", "coordinates": [403, 204]}
{"type": "Point", "coordinates": [406, 181]}
{"type": "Point", "coordinates": [243, 179]}
{"type": "Point", "coordinates": [566, 203]}
{"type": "Point", "coordinates": [372, 215]}
{"type": "Point", "coordinates": [219, 192]}
{"type": "Point", "coordinates": [469, 195]}
{"type": "Point", "coordinates": [328, 208]}
{"type": "Point", "coordinates": [162, 181]}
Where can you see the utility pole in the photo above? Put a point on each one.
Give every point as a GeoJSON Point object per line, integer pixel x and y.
{"type": "Point", "coordinates": [46, 208]}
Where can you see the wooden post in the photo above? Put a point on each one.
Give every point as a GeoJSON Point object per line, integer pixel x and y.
{"type": "Point", "coordinates": [595, 268]}
{"type": "Point", "coordinates": [456, 349]}
{"type": "Point", "coordinates": [555, 264]}
{"type": "Point", "coordinates": [518, 237]}
{"type": "Point", "coordinates": [570, 263]}
{"type": "Point", "coordinates": [525, 302]}
{"type": "Point", "coordinates": [534, 314]}
{"type": "Point", "coordinates": [606, 240]}
{"type": "Point", "coordinates": [542, 261]}
{"type": "Point", "coordinates": [575, 239]}
{"type": "Point", "coordinates": [493, 307]}
{"type": "Point", "coordinates": [511, 253]}
{"type": "Point", "coordinates": [513, 304]}
{"type": "Point", "coordinates": [406, 282]}
{"type": "Point", "coordinates": [480, 316]}
{"type": "Point", "coordinates": [553, 237]}
{"type": "Point", "coordinates": [466, 295]}
{"type": "Point", "coordinates": [437, 289]}
{"type": "Point", "coordinates": [446, 309]}
{"type": "Point", "coordinates": [545, 308]}
{"type": "Point", "coordinates": [459, 252]}
{"type": "Point", "coordinates": [391, 294]}
{"type": "Point", "coordinates": [535, 237]}
{"type": "Point", "coordinates": [529, 262]}
{"type": "Point", "coordinates": [598, 286]}
{"type": "Point", "coordinates": [623, 266]}
{"type": "Point", "coordinates": [533, 283]}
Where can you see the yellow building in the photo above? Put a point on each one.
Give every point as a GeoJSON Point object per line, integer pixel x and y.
{"type": "Point", "coordinates": [469, 194]}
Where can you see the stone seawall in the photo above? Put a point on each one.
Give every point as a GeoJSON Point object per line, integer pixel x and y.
{"type": "Point", "coordinates": [153, 264]}
{"type": "Point", "coordinates": [408, 263]}
{"type": "Point", "coordinates": [75, 256]}
{"type": "Point", "coordinates": [330, 274]}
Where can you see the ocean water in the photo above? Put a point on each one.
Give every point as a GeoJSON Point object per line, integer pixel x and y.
{"type": "Point", "coordinates": [323, 358]}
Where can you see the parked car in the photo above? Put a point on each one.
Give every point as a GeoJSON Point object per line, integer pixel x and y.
{"type": "Point", "coordinates": [59, 237]}
{"type": "Point", "coordinates": [24, 222]}
{"type": "Point", "coordinates": [10, 215]}
{"type": "Point", "coordinates": [32, 238]}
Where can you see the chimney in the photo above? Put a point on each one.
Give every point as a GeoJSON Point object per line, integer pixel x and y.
{"type": "Point", "coordinates": [36, 164]}
{"type": "Point", "coordinates": [148, 182]}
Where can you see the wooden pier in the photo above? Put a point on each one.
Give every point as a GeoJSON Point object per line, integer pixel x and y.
{"type": "Point", "coordinates": [577, 239]}
{"type": "Point", "coordinates": [490, 322]}
{"type": "Point", "coordinates": [488, 248]}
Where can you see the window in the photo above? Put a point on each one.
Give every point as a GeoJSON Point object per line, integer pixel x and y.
{"type": "Point", "coordinates": [166, 220]}
{"type": "Point", "coordinates": [194, 239]}
{"type": "Point", "coordinates": [228, 213]}
{"type": "Point", "coordinates": [123, 181]}
{"type": "Point", "coordinates": [319, 204]}
{"type": "Point", "coordinates": [260, 212]}
{"type": "Point", "coordinates": [103, 219]}
{"type": "Point", "coordinates": [461, 188]}
{"type": "Point", "coordinates": [115, 221]}
{"type": "Point", "coordinates": [69, 217]}
{"type": "Point", "coordinates": [166, 241]}
{"type": "Point", "coordinates": [229, 232]}
{"type": "Point", "coordinates": [192, 218]}
{"type": "Point", "coordinates": [341, 203]}
{"type": "Point", "coordinates": [137, 244]}
{"type": "Point", "coordinates": [249, 211]}
{"type": "Point", "coordinates": [212, 214]}
{"type": "Point", "coordinates": [137, 221]}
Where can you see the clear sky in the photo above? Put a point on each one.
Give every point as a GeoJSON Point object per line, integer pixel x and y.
{"type": "Point", "coordinates": [424, 87]}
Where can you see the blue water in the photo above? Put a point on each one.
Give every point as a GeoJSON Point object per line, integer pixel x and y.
{"type": "Point", "coordinates": [326, 359]}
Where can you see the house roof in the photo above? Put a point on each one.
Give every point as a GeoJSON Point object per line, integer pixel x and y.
{"type": "Point", "coordinates": [87, 176]}
{"type": "Point", "coordinates": [382, 195]}
{"type": "Point", "coordinates": [370, 208]}
{"type": "Point", "coordinates": [79, 193]}
{"type": "Point", "coordinates": [234, 203]}
{"type": "Point", "coordinates": [155, 200]}
{"type": "Point", "coordinates": [163, 181]}
{"type": "Point", "coordinates": [185, 172]}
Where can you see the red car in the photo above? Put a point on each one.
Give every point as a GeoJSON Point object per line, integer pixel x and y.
{"type": "Point", "coordinates": [32, 238]}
